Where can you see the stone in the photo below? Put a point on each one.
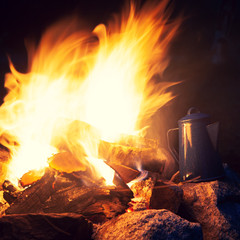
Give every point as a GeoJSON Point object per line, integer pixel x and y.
{"type": "Point", "coordinates": [215, 205]}
{"type": "Point", "coordinates": [65, 226]}
{"type": "Point", "coordinates": [148, 225]}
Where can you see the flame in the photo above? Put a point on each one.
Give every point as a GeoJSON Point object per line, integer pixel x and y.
{"type": "Point", "coordinates": [100, 80]}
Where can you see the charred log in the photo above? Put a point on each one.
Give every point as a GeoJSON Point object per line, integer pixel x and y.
{"type": "Point", "coordinates": [58, 194]}
{"type": "Point", "coordinates": [152, 159]}
{"type": "Point", "coordinates": [166, 195]}
{"type": "Point", "coordinates": [4, 159]}
{"type": "Point", "coordinates": [32, 199]}
{"type": "Point", "coordinates": [127, 174]}
{"type": "Point", "coordinates": [67, 226]}
{"type": "Point", "coordinates": [128, 151]}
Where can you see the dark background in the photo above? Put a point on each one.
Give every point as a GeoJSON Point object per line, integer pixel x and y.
{"type": "Point", "coordinates": [204, 55]}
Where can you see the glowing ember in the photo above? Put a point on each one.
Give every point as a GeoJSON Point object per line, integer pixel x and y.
{"type": "Point", "coordinates": [99, 79]}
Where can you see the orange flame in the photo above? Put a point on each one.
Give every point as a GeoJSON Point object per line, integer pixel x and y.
{"type": "Point", "coordinates": [99, 79]}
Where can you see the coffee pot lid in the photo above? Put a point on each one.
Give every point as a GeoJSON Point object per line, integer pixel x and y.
{"type": "Point", "coordinates": [193, 114]}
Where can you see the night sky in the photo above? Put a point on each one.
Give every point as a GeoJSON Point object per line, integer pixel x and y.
{"type": "Point", "coordinates": [212, 87]}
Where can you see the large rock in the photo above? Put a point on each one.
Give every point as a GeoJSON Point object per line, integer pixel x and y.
{"type": "Point", "coordinates": [215, 205]}
{"type": "Point", "coordinates": [148, 225]}
{"type": "Point", "coordinates": [65, 226]}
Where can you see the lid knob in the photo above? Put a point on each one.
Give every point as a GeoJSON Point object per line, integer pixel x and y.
{"type": "Point", "coordinates": [192, 110]}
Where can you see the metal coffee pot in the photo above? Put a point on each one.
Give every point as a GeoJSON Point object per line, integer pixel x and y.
{"type": "Point", "coordinates": [198, 157]}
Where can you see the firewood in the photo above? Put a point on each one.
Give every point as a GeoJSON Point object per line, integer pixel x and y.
{"type": "Point", "coordinates": [142, 191]}
{"type": "Point", "coordinates": [137, 141]}
{"type": "Point", "coordinates": [75, 137]}
{"type": "Point", "coordinates": [97, 204]}
{"type": "Point", "coordinates": [66, 162]}
{"type": "Point", "coordinates": [129, 150]}
{"type": "Point", "coordinates": [166, 195]}
{"type": "Point", "coordinates": [127, 174]}
{"type": "Point", "coordinates": [8, 186]}
{"type": "Point", "coordinates": [32, 198]}
{"type": "Point", "coordinates": [10, 192]}
{"type": "Point", "coordinates": [31, 177]}
{"type": "Point", "coordinates": [4, 160]}
{"type": "Point", "coordinates": [59, 194]}
{"type": "Point", "coordinates": [152, 159]}
{"type": "Point", "coordinates": [85, 178]}
{"type": "Point", "coordinates": [67, 226]}
{"type": "Point", "coordinates": [3, 204]}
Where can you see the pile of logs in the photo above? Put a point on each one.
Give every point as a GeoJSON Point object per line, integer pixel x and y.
{"type": "Point", "coordinates": [61, 193]}
{"type": "Point", "coordinates": [67, 204]}
{"type": "Point", "coordinates": [63, 190]}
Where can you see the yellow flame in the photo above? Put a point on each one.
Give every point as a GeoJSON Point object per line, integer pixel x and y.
{"type": "Point", "coordinates": [101, 78]}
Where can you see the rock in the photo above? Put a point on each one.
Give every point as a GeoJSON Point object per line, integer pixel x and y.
{"type": "Point", "coordinates": [231, 176]}
{"type": "Point", "coordinates": [166, 195]}
{"type": "Point", "coordinates": [63, 226]}
{"type": "Point", "coordinates": [215, 205]}
{"type": "Point", "coordinates": [149, 225]}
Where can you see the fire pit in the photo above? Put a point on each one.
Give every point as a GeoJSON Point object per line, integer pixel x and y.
{"type": "Point", "coordinates": [76, 160]}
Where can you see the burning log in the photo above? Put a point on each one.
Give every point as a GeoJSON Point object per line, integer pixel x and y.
{"type": "Point", "coordinates": [139, 142]}
{"type": "Point", "coordinates": [142, 191]}
{"type": "Point", "coordinates": [10, 192]}
{"type": "Point", "coordinates": [59, 194]}
{"type": "Point", "coordinates": [32, 198]}
{"type": "Point", "coordinates": [127, 174]}
{"type": "Point", "coordinates": [31, 177]}
{"type": "Point", "coordinates": [152, 159]}
{"type": "Point", "coordinates": [152, 192]}
{"type": "Point", "coordinates": [66, 162]}
{"type": "Point", "coordinates": [94, 203]}
{"type": "Point", "coordinates": [142, 188]}
{"type": "Point", "coordinates": [4, 159]}
{"type": "Point", "coordinates": [129, 151]}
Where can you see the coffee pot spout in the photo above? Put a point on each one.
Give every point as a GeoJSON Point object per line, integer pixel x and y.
{"type": "Point", "coordinates": [213, 130]}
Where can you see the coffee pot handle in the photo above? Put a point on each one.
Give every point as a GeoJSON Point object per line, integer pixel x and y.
{"type": "Point", "coordinates": [170, 147]}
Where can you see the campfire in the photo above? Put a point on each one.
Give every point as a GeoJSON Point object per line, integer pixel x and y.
{"type": "Point", "coordinates": [74, 127]}
{"type": "Point", "coordinates": [81, 112]}
{"type": "Point", "coordinates": [86, 93]}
